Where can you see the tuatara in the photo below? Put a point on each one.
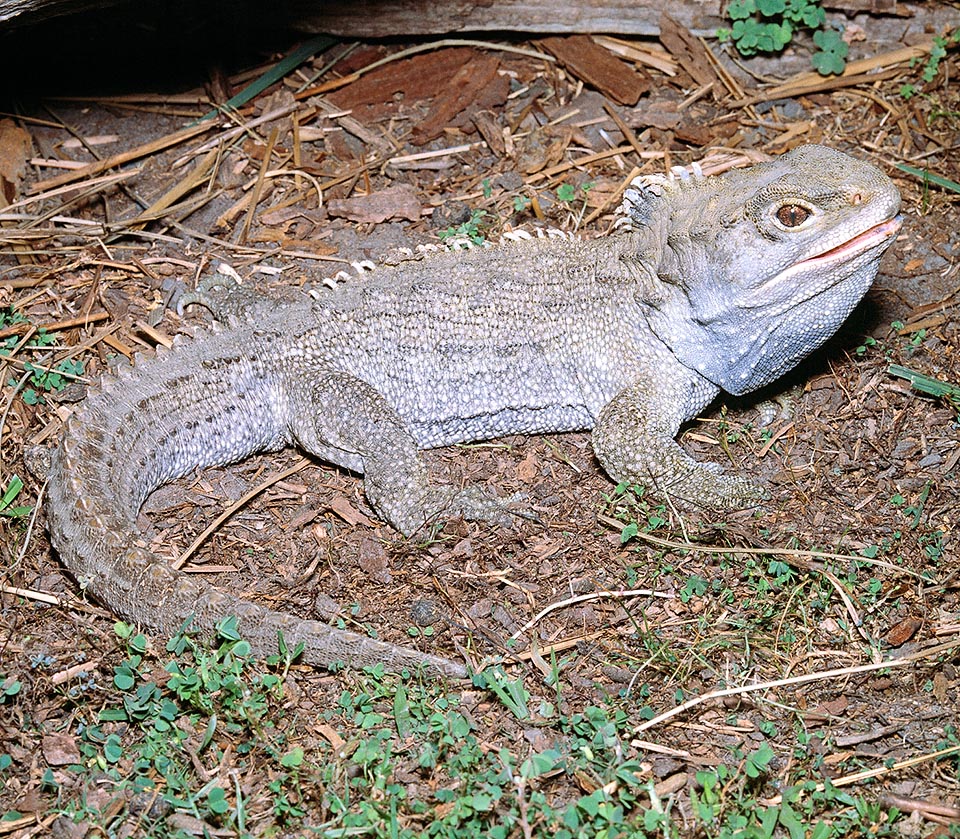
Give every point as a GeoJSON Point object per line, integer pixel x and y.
{"type": "Point", "coordinates": [709, 283]}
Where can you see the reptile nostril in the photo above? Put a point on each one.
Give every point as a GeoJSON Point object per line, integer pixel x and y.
{"type": "Point", "coordinates": [856, 199]}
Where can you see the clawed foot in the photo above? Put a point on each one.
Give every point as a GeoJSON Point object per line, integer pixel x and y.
{"type": "Point", "coordinates": [226, 299]}
{"type": "Point", "coordinates": [709, 487]}
{"type": "Point", "coordinates": [477, 504]}
{"type": "Point", "coordinates": [473, 503]}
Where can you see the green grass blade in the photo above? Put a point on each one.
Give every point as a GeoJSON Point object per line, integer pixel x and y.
{"type": "Point", "coordinates": [929, 177]}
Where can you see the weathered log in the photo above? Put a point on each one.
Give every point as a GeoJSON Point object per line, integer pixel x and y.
{"type": "Point", "coordinates": [378, 18]}
{"type": "Point", "coordinates": [387, 18]}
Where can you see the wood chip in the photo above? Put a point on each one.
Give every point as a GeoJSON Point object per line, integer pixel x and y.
{"type": "Point", "coordinates": [419, 77]}
{"type": "Point", "coordinates": [491, 131]}
{"type": "Point", "coordinates": [15, 145]}
{"type": "Point", "coordinates": [901, 632]}
{"type": "Point", "coordinates": [598, 67]}
{"type": "Point", "coordinates": [689, 52]}
{"type": "Point", "coordinates": [60, 749]}
{"type": "Point", "coordinates": [350, 514]}
{"type": "Point", "coordinates": [471, 85]}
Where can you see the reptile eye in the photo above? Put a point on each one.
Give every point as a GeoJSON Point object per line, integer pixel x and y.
{"type": "Point", "coordinates": [792, 215]}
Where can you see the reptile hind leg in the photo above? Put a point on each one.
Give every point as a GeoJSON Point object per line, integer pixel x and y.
{"type": "Point", "coordinates": [344, 420]}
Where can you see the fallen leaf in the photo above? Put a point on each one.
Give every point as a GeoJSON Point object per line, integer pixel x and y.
{"type": "Point", "coordinates": [60, 749]}
{"type": "Point", "coordinates": [900, 633]}
{"type": "Point", "coordinates": [398, 201]}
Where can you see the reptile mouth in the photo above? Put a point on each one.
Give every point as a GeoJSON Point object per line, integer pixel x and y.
{"type": "Point", "coordinates": [867, 240]}
{"type": "Point", "coordinates": [873, 237]}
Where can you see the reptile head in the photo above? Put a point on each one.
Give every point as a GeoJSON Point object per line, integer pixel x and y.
{"type": "Point", "coordinates": [759, 267]}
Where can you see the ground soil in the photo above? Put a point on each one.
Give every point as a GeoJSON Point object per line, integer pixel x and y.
{"type": "Point", "coordinates": [858, 463]}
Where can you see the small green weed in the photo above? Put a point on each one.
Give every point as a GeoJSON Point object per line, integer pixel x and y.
{"type": "Point", "coordinates": [931, 66]}
{"type": "Point", "coordinates": [696, 586]}
{"type": "Point", "coordinates": [9, 317]}
{"type": "Point", "coordinates": [767, 26]}
{"type": "Point", "coordinates": [49, 380]}
{"type": "Point", "coordinates": [868, 344]}
{"type": "Point", "coordinates": [472, 230]}
{"type": "Point", "coordinates": [287, 794]}
{"type": "Point", "coordinates": [512, 694]}
{"type": "Point", "coordinates": [728, 807]}
{"type": "Point", "coordinates": [479, 790]}
{"type": "Point", "coordinates": [568, 192]}
{"type": "Point", "coordinates": [415, 764]}
{"type": "Point", "coordinates": [932, 544]}
{"type": "Point", "coordinates": [162, 726]}
{"type": "Point", "coordinates": [42, 379]}
{"type": "Point", "coordinates": [898, 342]}
{"type": "Point", "coordinates": [831, 58]}
{"type": "Point", "coordinates": [628, 504]}
{"type": "Point", "coordinates": [9, 687]}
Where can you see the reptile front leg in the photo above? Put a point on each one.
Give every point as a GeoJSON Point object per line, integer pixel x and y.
{"type": "Point", "coordinates": [634, 440]}
{"type": "Point", "coordinates": [343, 420]}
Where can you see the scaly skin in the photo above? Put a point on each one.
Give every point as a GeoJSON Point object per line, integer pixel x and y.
{"type": "Point", "coordinates": [723, 282]}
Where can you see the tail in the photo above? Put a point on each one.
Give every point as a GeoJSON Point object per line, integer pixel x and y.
{"type": "Point", "coordinates": [144, 428]}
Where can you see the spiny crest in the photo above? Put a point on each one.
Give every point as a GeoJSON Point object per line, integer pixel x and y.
{"type": "Point", "coordinates": [116, 382]}
{"type": "Point", "coordinates": [362, 266]}
{"type": "Point", "coordinates": [641, 198]}
{"type": "Point", "coordinates": [450, 245]}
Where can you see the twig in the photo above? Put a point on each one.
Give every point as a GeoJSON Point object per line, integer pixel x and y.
{"type": "Point", "coordinates": [229, 134]}
{"type": "Point", "coordinates": [55, 325]}
{"type": "Point", "coordinates": [333, 84]}
{"type": "Point", "coordinates": [613, 196]}
{"type": "Point", "coordinates": [258, 186]}
{"type": "Point", "coordinates": [788, 552]}
{"type": "Point", "coordinates": [856, 72]}
{"type": "Point", "coordinates": [68, 673]}
{"type": "Point", "coordinates": [625, 129]}
{"type": "Point", "coordinates": [31, 594]}
{"type": "Point", "coordinates": [193, 179]}
{"type": "Point", "coordinates": [123, 157]}
{"type": "Point", "coordinates": [584, 598]}
{"type": "Point", "coordinates": [798, 680]}
{"type": "Point", "coordinates": [846, 780]}
{"type": "Point", "coordinates": [926, 808]}
{"type": "Point", "coordinates": [427, 155]}
{"type": "Point", "coordinates": [102, 181]}
{"type": "Point", "coordinates": [587, 159]}
{"type": "Point", "coordinates": [280, 476]}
